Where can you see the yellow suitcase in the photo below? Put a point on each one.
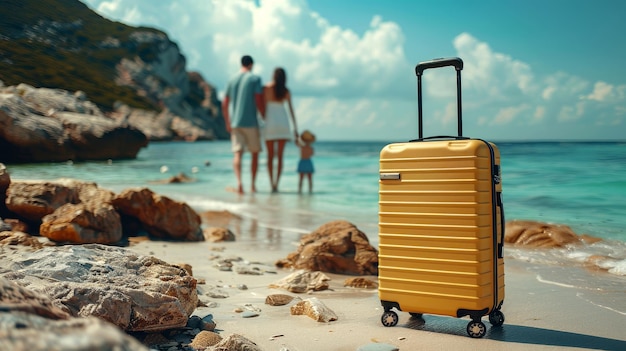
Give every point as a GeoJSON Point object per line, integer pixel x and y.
{"type": "Point", "coordinates": [441, 225]}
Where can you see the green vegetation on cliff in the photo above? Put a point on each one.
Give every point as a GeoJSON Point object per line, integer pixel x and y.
{"type": "Point", "coordinates": [63, 44]}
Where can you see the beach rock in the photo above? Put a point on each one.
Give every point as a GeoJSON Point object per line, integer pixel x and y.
{"type": "Point", "coordinates": [28, 332]}
{"type": "Point", "coordinates": [201, 323]}
{"type": "Point", "coordinates": [80, 224]}
{"type": "Point", "coordinates": [302, 281]}
{"type": "Point", "coordinates": [315, 309]}
{"type": "Point", "coordinates": [335, 247]}
{"type": "Point", "coordinates": [216, 235]}
{"type": "Point", "coordinates": [31, 321]}
{"type": "Point", "coordinates": [48, 125]}
{"type": "Point", "coordinates": [5, 226]}
{"type": "Point", "coordinates": [20, 238]}
{"type": "Point", "coordinates": [5, 181]}
{"type": "Point", "coordinates": [187, 267]}
{"type": "Point", "coordinates": [15, 298]}
{"type": "Point", "coordinates": [249, 314]}
{"type": "Point", "coordinates": [32, 200]}
{"type": "Point", "coordinates": [217, 293]}
{"type": "Point", "coordinates": [360, 282]}
{"type": "Point", "coordinates": [250, 269]}
{"type": "Point", "coordinates": [236, 342]}
{"type": "Point", "coordinates": [136, 293]}
{"type": "Point", "coordinates": [161, 216]}
{"type": "Point", "coordinates": [15, 225]}
{"type": "Point", "coordinates": [69, 210]}
{"type": "Point", "coordinates": [540, 234]}
{"type": "Point", "coordinates": [278, 299]}
{"type": "Point", "coordinates": [205, 339]}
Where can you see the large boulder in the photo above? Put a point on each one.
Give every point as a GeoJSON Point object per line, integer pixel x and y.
{"type": "Point", "coordinates": [30, 321]}
{"type": "Point", "coordinates": [133, 292]}
{"type": "Point", "coordinates": [335, 247]}
{"type": "Point", "coordinates": [27, 332]}
{"type": "Point", "coordinates": [161, 216]}
{"type": "Point", "coordinates": [15, 298]}
{"type": "Point", "coordinates": [48, 125]}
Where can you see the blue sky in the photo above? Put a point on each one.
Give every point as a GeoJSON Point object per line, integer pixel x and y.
{"type": "Point", "coordinates": [534, 70]}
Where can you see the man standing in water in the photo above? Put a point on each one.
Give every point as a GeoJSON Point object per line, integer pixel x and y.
{"type": "Point", "coordinates": [246, 93]}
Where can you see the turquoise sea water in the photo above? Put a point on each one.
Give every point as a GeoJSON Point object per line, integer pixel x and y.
{"type": "Point", "coordinates": [581, 184]}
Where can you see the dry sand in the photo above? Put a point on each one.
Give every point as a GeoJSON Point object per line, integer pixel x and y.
{"type": "Point", "coordinates": [538, 316]}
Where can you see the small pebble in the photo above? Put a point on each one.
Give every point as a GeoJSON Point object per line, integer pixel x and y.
{"type": "Point", "coordinates": [249, 314]}
{"type": "Point", "coordinates": [378, 347]}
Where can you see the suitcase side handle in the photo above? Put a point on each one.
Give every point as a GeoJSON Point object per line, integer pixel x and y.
{"type": "Point", "coordinates": [436, 63]}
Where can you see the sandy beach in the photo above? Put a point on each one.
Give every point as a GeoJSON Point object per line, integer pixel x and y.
{"type": "Point", "coordinates": [539, 316]}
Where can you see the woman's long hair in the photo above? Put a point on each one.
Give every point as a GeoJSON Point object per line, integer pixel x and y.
{"type": "Point", "coordinates": [280, 80]}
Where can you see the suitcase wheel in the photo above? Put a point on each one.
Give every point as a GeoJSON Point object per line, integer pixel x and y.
{"type": "Point", "coordinates": [496, 318]}
{"type": "Point", "coordinates": [476, 329]}
{"type": "Point", "coordinates": [389, 318]}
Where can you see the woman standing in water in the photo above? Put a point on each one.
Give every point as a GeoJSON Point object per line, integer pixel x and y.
{"type": "Point", "coordinates": [277, 129]}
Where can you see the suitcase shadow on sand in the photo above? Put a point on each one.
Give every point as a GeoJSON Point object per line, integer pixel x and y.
{"type": "Point", "coordinates": [516, 333]}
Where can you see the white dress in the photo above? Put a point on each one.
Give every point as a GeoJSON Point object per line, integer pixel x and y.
{"type": "Point", "coordinates": [276, 121]}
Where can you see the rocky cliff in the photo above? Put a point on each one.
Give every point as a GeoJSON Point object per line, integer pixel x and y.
{"type": "Point", "coordinates": [136, 75]}
{"type": "Point", "coordinates": [52, 125]}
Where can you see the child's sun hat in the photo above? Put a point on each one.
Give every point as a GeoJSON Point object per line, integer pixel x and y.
{"type": "Point", "coordinates": [307, 136]}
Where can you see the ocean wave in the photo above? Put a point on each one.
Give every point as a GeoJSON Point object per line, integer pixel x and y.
{"type": "Point", "coordinates": [604, 256]}
{"type": "Point", "coordinates": [206, 204]}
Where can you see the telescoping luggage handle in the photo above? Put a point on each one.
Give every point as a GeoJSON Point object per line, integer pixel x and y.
{"type": "Point", "coordinates": [436, 63]}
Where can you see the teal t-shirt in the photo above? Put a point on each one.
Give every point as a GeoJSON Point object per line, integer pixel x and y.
{"type": "Point", "coordinates": [241, 90]}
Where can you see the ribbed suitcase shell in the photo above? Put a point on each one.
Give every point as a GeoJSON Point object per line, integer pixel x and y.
{"type": "Point", "coordinates": [440, 227]}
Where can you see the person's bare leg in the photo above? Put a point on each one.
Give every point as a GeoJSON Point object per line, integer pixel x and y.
{"type": "Point", "coordinates": [254, 167]}
{"type": "Point", "coordinates": [270, 162]}
{"type": "Point", "coordinates": [237, 168]}
{"type": "Point", "coordinates": [300, 183]}
{"type": "Point", "coordinates": [310, 177]}
{"type": "Point", "coordinates": [279, 169]}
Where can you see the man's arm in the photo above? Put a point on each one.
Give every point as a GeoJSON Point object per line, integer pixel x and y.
{"type": "Point", "coordinates": [225, 113]}
{"type": "Point", "coordinates": [260, 104]}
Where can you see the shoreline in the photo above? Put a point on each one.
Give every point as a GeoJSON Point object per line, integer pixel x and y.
{"type": "Point", "coordinates": [538, 315]}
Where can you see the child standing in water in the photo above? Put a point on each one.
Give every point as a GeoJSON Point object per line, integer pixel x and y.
{"type": "Point", "coordinates": [305, 165]}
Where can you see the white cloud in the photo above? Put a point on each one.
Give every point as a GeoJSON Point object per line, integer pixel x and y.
{"type": "Point", "coordinates": [601, 92]}
{"type": "Point", "coordinates": [508, 114]}
{"type": "Point", "coordinates": [497, 75]}
{"type": "Point", "coordinates": [539, 115]}
{"type": "Point", "coordinates": [571, 113]}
